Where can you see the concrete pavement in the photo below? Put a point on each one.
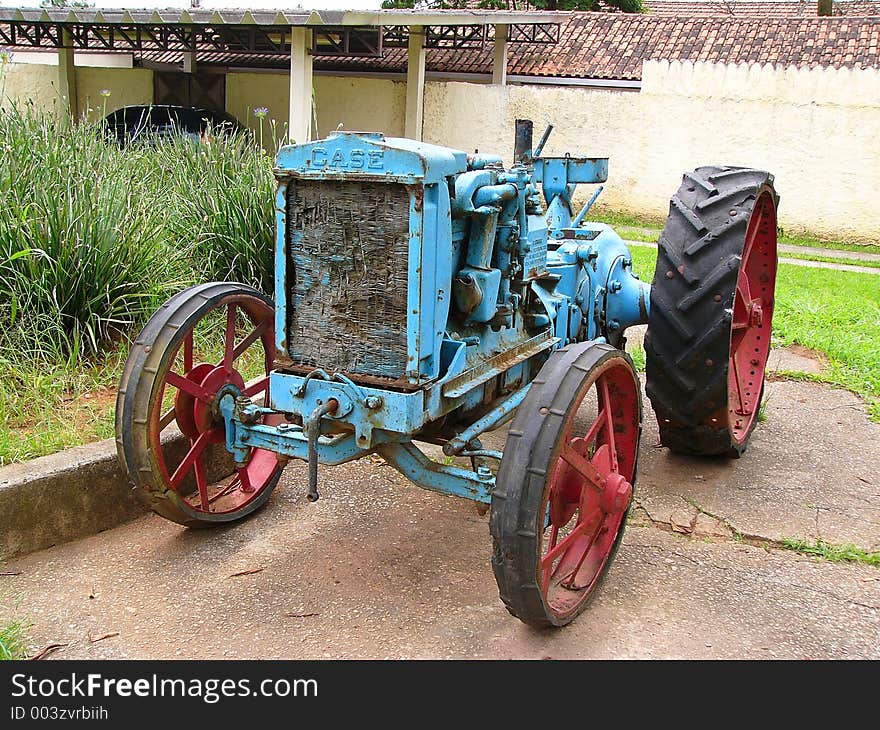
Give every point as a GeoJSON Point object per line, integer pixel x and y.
{"type": "Point", "coordinates": [378, 568]}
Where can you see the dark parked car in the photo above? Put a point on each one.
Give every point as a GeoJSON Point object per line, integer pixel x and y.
{"type": "Point", "coordinates": [162, 121]}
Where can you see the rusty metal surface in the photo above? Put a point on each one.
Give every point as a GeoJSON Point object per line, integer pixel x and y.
{"type": "Point", "coordinates": [374, 381]}
{"type": "Point", "coordinates": [348, 243]}
{"type": "Point", "coordinates": [489, 368]}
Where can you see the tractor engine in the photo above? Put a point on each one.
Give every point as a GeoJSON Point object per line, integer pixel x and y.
{"type": "Point", "coordinates": [407, 267]}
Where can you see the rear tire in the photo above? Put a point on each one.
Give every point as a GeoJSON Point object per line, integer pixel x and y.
{"type": "Point", "coordinates": [712, 302]}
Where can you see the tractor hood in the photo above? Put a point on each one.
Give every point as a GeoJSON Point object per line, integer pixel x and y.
{"type": "Point", "coordinates": [346, 154]}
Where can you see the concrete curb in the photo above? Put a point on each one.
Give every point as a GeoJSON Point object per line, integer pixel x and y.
{"type": "Point", "coordinates": [68, 495]}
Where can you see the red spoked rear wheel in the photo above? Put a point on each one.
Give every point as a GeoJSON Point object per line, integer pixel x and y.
{"type": "Point", "coordinates": [566, 483]}
{"type": "Point", "coordinates": [709, 324]}
{"type": "Point", "coordinates": [206, 341]}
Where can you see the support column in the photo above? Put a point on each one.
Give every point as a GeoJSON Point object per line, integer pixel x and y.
{"type": "Point", "coordinates": [67, 75]}
{"type": "Point", "coordinates": [189, 62]}
{"type": "Point", "coordinates": [415, 83]}
{"type": "Point", "coordinates": [499, 58]}
{"type": "Point", "coordinates": [299, 125]}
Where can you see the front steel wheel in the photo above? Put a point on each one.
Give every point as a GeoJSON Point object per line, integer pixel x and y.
{"type": "Point", "coordinates": [204, 341]}
{"type": "Point", "coordinates": [565, 483]}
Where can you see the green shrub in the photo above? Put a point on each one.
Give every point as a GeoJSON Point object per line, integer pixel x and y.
{"type": "Point", "coordinates": [93, 238]}
{"type": "Point", "coordinates": [222, 211]}
{"type": "Point", "coordinates": [83, 253]}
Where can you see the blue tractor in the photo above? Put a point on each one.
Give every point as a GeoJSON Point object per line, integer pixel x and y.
{"type": "Point", "coordinates": [427, 296]}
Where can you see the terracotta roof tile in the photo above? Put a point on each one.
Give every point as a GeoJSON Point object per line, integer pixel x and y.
{"type": "Point", "coordinates": [772, 8]}
{"type": "Point", "coordinates": [613, 46]}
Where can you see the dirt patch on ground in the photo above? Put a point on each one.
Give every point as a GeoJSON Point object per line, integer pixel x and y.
{"type": "Point", "coordinates": [796, 358]}
{"type": "Point", "coordinates": [81, 412]}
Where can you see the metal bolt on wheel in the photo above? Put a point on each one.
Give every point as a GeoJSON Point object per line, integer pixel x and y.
{"type": "Point", "coordinates": [565, 484]}
{"type": "Point", "coordinates": [205, 341]}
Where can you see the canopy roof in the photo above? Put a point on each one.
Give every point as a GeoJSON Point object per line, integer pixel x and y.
{"type": "Point", "coordinates": [360, 18]}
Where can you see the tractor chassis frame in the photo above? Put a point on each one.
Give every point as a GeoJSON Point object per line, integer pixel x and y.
{"type": "Point", "coordinates": [330, 447]}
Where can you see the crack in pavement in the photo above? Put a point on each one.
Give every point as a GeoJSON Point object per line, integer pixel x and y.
{"type": "Point", "coordinates": [731, 569]}
{"type": "Point", "coordinates": [737, 536]}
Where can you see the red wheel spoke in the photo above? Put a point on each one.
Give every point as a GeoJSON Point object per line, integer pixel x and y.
{"type": "Point", "coordinates": [257, 386]}
{"type": "Point", "coordinates": [202, 484]}
{"type": "Point", "coordinates": [736, 380]}
{"type": "Point", "coordinates": [194, 455]}
{"type": "Point", "coordinates": [583, 467]}
{"type": "Point", "coordinates": [245, 480]}
{"type": "Point", "coordinates": [594, 429]}
{"type": "Point", "coordinates": [606, 401]}
{"type": "Point", "coordinates": [188, 353]}
{"type": "Point", "coordinates": [562, 546]}
{"type": "Point", "coordinates": [754, 227]}
{"type": "Point", "coordinates": [545, 575]}
{"type": "Point", "coordinates": [568, 582]}
{"type": "Point", "coordinates": [189, 386]}
{"type": "Point", "coordinates": [742, 289]}
{"type": "Point", "coordinates": [250, 339]}
{"type": "Point", "coordinates": [167, 418]}
{"type": "Point", "coordinates": [229, 344]}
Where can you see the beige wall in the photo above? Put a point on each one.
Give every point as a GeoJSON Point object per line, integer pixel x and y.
{"type": "Point", "coordinates": [361, 104]}
{"type": "Point", "coordinates": [126, 86]}
{"type": "Point", "coordinates": [817, 130]}
{"type": "Point", "coordinates": [248, 91]}
{"type": "Point", "coordinates": [38, 84]}
{"type": "Point", "coordinates": [29, 83]}
{"type": "Point", "coordinates": [356, 102]}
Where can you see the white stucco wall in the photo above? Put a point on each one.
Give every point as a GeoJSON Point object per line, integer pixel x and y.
{"type": "Point", "coordinates": [817, 130]}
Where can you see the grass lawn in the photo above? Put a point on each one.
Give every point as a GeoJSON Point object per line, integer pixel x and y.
{"type": "Point", "coordinates": [834, 312]}
{"type": "Point", "coordinates": [13, 644]}
{"type": "Point", "coordinates": [647, 229]}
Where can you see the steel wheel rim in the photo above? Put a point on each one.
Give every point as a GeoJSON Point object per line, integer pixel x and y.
{"type": "Point", "coordinates": [571, 564]}
{"type": "Point", "coordinates": [196, 414]}
{"type": "Point", "coordinates": [751, 318]}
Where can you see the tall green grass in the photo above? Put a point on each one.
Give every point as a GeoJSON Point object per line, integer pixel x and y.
{"type": "Point", "coordinates": [13, 641]}
{"type": "Point", "coordinates": [78, 244]}
{"type": "Point", "coordinates": [93, 238]}
{"type": "Point", "coordinates": [223, 210]}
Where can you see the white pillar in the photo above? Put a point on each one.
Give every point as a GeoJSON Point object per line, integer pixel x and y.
{"type": "Point", "coordinates": [499, 58]}
{"type": "Point", "coordinates": [299, 125]}
{"type": "Point", "coordinates": [415, 83]}
{"type": "Point", "coordinates": [67, 74]}
{"type": "Point", "coordinates": [189, 62]}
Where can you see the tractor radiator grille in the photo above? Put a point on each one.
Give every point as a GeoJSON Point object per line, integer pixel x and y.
{"type": "Point", "coordinates": [348, 248]}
